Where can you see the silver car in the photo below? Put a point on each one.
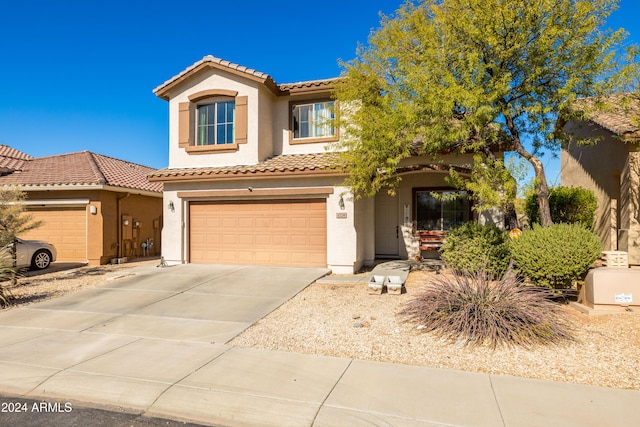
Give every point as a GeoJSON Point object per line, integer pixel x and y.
{"type": "Point", "coordinates": [35, 254]}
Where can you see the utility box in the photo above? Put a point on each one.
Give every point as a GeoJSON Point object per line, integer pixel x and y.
{"type": "Point", "coordinates": [611, 288]}
{"type": "Point", "coordinates": [615, 259]}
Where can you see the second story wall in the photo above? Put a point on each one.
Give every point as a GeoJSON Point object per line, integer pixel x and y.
{"type": "Point", "coordinates": [224, 114]}
{"type": "Point", "coordinates": [213, 86]}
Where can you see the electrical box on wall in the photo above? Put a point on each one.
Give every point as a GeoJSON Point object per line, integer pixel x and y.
{"type": "Point", "coordinates": [127, 227]}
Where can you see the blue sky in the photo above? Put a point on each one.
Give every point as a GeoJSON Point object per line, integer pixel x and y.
{"type": "Point", "coordinates": [78, 75]}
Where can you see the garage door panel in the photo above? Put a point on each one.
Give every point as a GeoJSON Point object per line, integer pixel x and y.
{"type": "Point", "coordinates": [259, 232]}
{"type": "Point", "coordinates": [65, 228]}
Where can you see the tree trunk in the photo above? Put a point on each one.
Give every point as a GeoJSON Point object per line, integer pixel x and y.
{"type": "Point", "coordinates": [540, 183]}
{"type": "Point", "coordinates": [542, 192]}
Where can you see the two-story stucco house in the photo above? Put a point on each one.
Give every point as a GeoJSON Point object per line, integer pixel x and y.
{"type": "Point", "coordinates": [250, 178]}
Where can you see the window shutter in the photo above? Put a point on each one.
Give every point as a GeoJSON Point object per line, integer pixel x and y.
{"type": "Point", "coordinates": [185, 124]}
{"type": "Point", "coordinates": [241, 119]}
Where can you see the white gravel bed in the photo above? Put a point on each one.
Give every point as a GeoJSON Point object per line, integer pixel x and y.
{"type": "Point", "coordinates": [346, 321]}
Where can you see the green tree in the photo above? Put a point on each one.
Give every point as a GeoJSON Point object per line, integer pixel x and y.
{"type": "Point", "coordinates": [466, 75]}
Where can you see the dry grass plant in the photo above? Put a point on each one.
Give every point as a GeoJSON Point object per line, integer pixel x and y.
{"type": "Point", "coordinates": [477, 310]}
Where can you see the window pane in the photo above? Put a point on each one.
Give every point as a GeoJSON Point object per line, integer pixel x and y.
{"type": "Point", "coordinates": [231, 110]}
{"type": "Point", "coordinates": [296, 122]}
{"type": "Point", "coordinates": [432, 213]}
{"type": "Point", "coordinates": [221, 113]}
{"type": "Point", "coordinates": [305, 112]}
{"type": "Point", "coordinates": [304, 130]}
{"type": "Point", "coordinates": [210, 135]}
{"type": "Point", "coordinates": [230, 135]}
{"type": "Point", "coordinates": [220, 139]}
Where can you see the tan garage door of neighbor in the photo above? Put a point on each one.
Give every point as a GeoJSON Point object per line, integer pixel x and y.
{"type": "Point", "coordinates": [65, 228]}
{"type": "Point", "coordinates": [267, 232]}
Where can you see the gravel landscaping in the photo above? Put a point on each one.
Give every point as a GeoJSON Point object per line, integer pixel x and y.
{"type": "Point", "coordinates": [346, 321]}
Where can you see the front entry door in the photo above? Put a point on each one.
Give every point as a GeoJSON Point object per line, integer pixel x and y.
{"type": "Point", "coordinates": [387, 226]}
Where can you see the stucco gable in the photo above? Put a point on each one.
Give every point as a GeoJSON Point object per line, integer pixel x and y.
{"type": "Point", "coordinates": [209, 61]}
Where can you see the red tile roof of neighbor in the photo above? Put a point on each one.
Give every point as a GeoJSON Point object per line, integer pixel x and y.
{"type": "Point", "coordinates": [82, 168]}
{"type": "Point", "coordinates": [12, 159]}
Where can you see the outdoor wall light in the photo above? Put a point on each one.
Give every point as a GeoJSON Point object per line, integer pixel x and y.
{"type": "Point", "coordinates": [341, 203]}
{"type": "Point", "coordinates": [172, 208]}
{"type": "Point", "coordinates": [126, 222]}
{"type": "Point", "coordinates": [93, 210]}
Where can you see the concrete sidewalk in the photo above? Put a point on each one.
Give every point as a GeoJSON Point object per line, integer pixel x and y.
{"type": "Point", "coordinates": [127, 347]}
{"type": "Point", "coordinates": [225, 385]}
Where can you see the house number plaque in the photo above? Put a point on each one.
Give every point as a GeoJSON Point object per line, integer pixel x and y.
{"type": "Point", "coordinates": [341, 215]}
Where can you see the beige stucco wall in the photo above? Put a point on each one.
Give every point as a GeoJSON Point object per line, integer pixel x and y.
{"type": "Point", "coordinates": [364, 223]}
{"type": "Point", "coordinates": [597, 168]}
{"type": "Point", "coordinates": [611, 169]}
{"type": "Point", "coordinates": [629, 233]}
{"type": "Point", "coordinates": [247, 154]}
{"type": "Point", "coordinates": [268, 122]}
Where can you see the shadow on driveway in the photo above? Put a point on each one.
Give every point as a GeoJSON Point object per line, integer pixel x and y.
{"type": "Point", "coordinates": [53, 268]}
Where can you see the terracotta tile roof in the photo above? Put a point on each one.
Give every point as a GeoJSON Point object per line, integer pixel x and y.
{"type": "Point", "coordinates": [318, 162]}
{"type": "Point", "coordinates": [82, 168]}
{"type": "Point", "coordinates": [318, 84]}
{"type": "Point", "coordinates": [12, 159]}
{"type": "Point", "coordinates": [211, 61]}
{"type": "Point", "coordinates": [622, 117]}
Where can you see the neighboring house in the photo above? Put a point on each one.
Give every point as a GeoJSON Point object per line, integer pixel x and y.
{"type": "Point", "coordinates": [611, 168]}
{"type": "Point", "coordinates": [93, 208]}
{"type": "Point", "coordinates": [251, 178]}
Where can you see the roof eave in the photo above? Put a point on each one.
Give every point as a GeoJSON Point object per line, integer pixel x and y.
{"type": "Point", "coordinates": [243, 176]}
{"type": "Point", "coordinates": [103, 187]}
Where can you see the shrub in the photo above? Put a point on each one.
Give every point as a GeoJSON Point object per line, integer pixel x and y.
{"type": "Point", "coordinates": [7, 272]}
{"type": "Point", "coordinates": [553, 256]}
{"type": "Point", "coordinates": [473, 247]}
{"type": "Point", "coordinates": [477, 310]}
{"type": "Point", "coordinates": [571, 205]}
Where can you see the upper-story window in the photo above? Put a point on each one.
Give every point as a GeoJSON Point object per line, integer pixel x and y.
{"type": "Point", "coordinates": [314, 120]}
{"type": "Point", "coordinates": [212, 121]}
{"type": "Point", "coordinates": [216, 123]}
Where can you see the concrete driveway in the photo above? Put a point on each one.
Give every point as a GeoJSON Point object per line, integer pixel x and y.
{"type": "Point", "coordinates": [204, 303]}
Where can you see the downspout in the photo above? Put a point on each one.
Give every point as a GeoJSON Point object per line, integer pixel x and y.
{"type": "Point", "coordinates": [119, 224]}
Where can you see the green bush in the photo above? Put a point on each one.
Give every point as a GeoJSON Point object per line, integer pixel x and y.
{"type": "Point", "coordinates": [570, 205]}
{"type": "Point", "coordinates": [553, 256]}
{"type": "Point", "coordinates": [7, 272]}
{"type": "Point", "coordinates": [473, 247]}
{"type": "Point", "coordinates": [480, 311]}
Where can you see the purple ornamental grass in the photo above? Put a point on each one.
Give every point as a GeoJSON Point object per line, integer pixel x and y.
{"type": "Point", "coordinates": [479, 310]}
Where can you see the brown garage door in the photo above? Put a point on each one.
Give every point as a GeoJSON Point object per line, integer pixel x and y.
{"type": "Point", "coordinates": [65, 228]}
{"type": "Point", "coordinates": [283, 232]}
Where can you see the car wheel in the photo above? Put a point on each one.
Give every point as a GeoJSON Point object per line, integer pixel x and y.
{"type": "Point", "coordinates": [41, 259]}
